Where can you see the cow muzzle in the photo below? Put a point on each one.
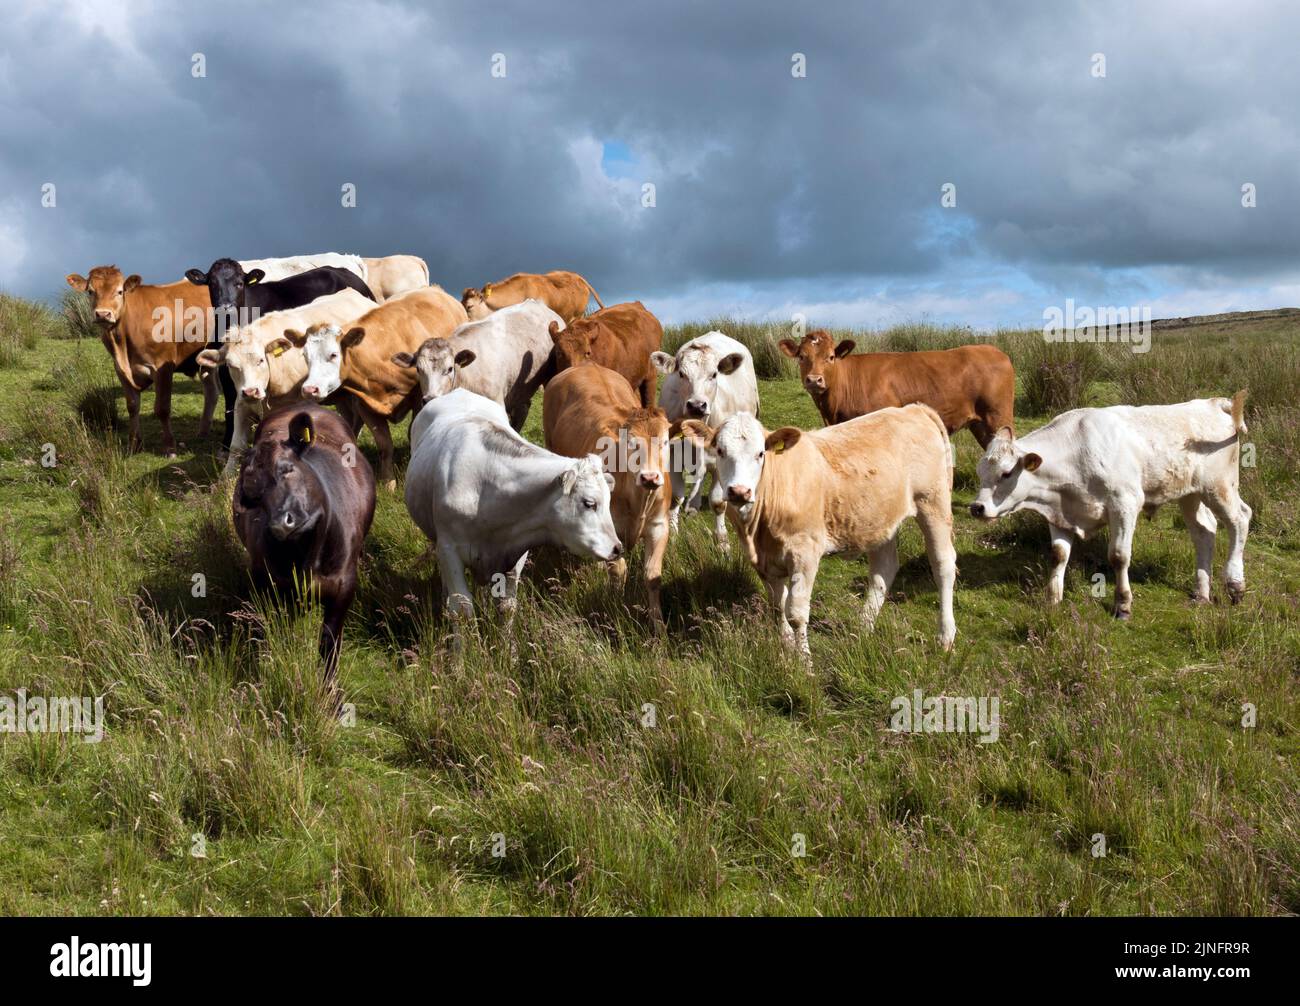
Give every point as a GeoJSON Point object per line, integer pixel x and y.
{"type": "Point", "coordinates": [812, 383]}
{"type": "Point", "coordinates": [107, 317]}
{"type": "Point", "coordinates": [982, 512]}
{"type": "Point", "coordinates": [650, 480]}
{"type": "Point", "coordinates": [739, 495]}
{"type": "Point", "coordinates": [697, 409]}
{"type": "Point", "coordinates": [253, 393]}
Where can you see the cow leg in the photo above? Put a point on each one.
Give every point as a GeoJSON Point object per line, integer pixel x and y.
{"type": "Point", "coordinates": [238, 436]}
{"type": "Point", "coordinates": [799, 602]}
{"type": "Point", "coordinates": [778, 592]}
{"type": "Point", "coordinates": [133, 442]}
{"type": "Point", "coordinates": [228, 397]}
{"type": "Point", "coordinates": [507, 601]}
{"type": "Point", "coordinates": [1061, 544]}
{"type": "Point", "coordinates": [936, 526]}
{"type": "Point", "coordinates": [884, 567]}
{"type": "Point", "coordinates": [1123, 522]}
{"type": "Point", "coordinates": [162, 409]}
{"type": "Point", "coordinates": [718, 504]}
{"type": "Point", "coordinates": [1201, 527]}
{"type": "Point", "coordinates": [456, 591]}
{"type": "Point", "coordinates": [1234, 512]}
{"type": "Point", "coordinates": [378, 427]}
{"type": "Point", "coordinates": [655, 537]}
{"type": "Point", "coordinates": [335, 604]}
{"type": "Point", "coordinates": [208, 381]}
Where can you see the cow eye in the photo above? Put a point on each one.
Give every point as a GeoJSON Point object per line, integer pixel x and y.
{"type": "Point", "coordinates": [721, 453]}
{"type": "Point", "coordinates": [451, 369]}
{"type": "Point", "coordinates": [1007, 474]}
{"type": "Point", "coordinates": [333, 357]}
{"type": "Point", "coordinates": [590, 504]}
{"type": "Point", "coordinates": [759, 455]}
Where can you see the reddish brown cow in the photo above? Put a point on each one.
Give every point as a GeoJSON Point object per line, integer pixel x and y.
{"type": "Point", "coordinates": [151, 332]}
{"type": "Point", "coordinates": [621, 338]}
{"type": "Point", "coordinates": [970, 386]}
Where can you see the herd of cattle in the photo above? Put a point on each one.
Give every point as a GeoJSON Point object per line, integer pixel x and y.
{"type": "Point", "coordinates": [374, 339]}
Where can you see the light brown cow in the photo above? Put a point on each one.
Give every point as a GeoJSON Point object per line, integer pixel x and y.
{"type": "Point", "coordinates": [359, 361]}
{"type": "Point", "coordinates": [621, 337]}
{"type": "Point", "coordinates": [796, 496]}
{"type": "Point", "coordinates": [970, 386]}
{"type": "Point", "coordinates": [565, 293]}
{"type": "Point", "coordinates": [151, 332]}
{"type": "Point", "coordinates": [394, 275]}
{"type": "Point", "coordinates": [591, 410]}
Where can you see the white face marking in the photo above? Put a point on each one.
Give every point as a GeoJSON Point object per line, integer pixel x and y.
{"type": "Point", "coordinates": [435, 367]}
{"type": "Point", "coordinates": [588, 528]}
{"type": "Point", "coordinates": [324, 362]}
{"type": "Point", "coordinates": [737, 454]}
{"type": "Point", "coordinates": [697, 368]}
{"type": "Point", "coordinates": [250, 368]}
{"type": "Point", "coordinates": [1004, 483]}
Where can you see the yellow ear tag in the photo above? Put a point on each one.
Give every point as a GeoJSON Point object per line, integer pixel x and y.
{"type": "Point", "coordinates": [306, 434]}
{"type": "Point", "coordinates": [487, 291]}
{"type": "Point", "coordinates": [277, 351]}
{"type": "Point", "coordinates": [779, 447]}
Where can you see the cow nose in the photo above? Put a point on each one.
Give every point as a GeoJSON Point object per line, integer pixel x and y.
{"type": "Point", "coordinates": [651, 480]}
{"type": "Point", "coordinates": [104, 315]}
{"type": "Point", "coordinates": [815, 382]}
{"type": "Point", "coordinates": [616, 551]}
{"type": "Point", "coordinates": [739, 494]}
{"type": "Point", "coordinates": [310, 389]}
{"type": "Point", "coordinates": [977, 509]}
{"type": "Point", "coordinates": [697, 408]}
{"type": "Point", "coordinates": [252, 393]}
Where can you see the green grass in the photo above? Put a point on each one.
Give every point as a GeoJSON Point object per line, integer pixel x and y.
{"type": "Point", "coordinates": [219, 742]}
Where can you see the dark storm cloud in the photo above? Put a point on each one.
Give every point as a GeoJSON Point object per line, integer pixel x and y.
{"type": "Point", "coordinates": [770, 190]}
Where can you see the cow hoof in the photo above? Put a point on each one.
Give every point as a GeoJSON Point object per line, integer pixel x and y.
{"type": "Point", "coordinates": [391, 485]}
{"type": "Point", "coordinates": [1123, 615]}
{"type": "Point", "coordinates": [1236, 591]}
{"type": "Point", "coordinates": [1199, 599]}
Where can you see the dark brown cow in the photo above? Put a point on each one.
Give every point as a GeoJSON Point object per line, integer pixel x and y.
{"type": "Point", "coordinates": [970, 386]}
{"type": "Point", "coordinates": [302, 506]}
{"type": "Point", "coordinates": [621, 338]}
{"type": "Point", "coordinates": [151, 332]}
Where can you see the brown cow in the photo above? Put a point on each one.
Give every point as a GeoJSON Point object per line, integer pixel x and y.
{"type": "Point", "coordinates": [151, 332]}
{"type": "Point", "coordinates": [565, 293]}
{"type": "Point", "coordinates": [358, 358]}
{"type": "Point", "coordinates": [970, 386]}
{"type": "Point", "coordinates": [589, 409]}
{"type": "Point", "coordinates": [302, 506]}
{"type": "Point", "coordinates": [621, 338]}
{"type": "Point", "coordinates": [394, 275]}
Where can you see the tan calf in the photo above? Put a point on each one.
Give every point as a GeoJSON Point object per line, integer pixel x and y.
{"type": "Point", "coordinates": [796, 496]}
{"type": "Point", "coordinates": [591, 410]}
{"type": "Point", "coordinates": [565, 293]}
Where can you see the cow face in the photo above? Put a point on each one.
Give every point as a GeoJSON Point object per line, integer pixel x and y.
{"type": "Point", "coordinates": [276, 481]}
{"type": "Point", "coordinates": [324, 346]}
{"type": "Point", "coordinates": [107, 288]}
{"type": "Point", "coordinates": [227, 284]}
{"type": "Point", "coordinates": [585, 526]}
{"type": "Point", "coordinates": [248, 360]}
{"type": "Point", "coordinates": [638, 453]}
{"type": "Point", "coordinates": [573, 345]}
{"type": "Point", "coordinates": [1007, 477]}
{"type": "Point", "coordinates": [436, 366]}
{"type": "Point", "coordinates": [737, 451]}
{"type": "Point", "coordinates": [475, 303]}
{"type": "Point", "coordinates": [816, 353]}
{"type": "Point", "coordinates": [699, 368]}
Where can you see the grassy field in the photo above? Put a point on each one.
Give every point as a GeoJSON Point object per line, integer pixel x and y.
{"type": "Point", "coordinates": [224, 785]}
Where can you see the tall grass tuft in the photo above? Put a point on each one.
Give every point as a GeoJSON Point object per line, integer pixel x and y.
{"type": "Point", "coordinates": [23, 324]}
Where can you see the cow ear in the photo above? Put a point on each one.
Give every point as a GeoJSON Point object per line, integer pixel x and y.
{"type": "Point", "coordinates": [554, 329]}
{"type": "Point", "coordinates": [132, 282]}
{"type": "Point", "coordinates": [352, 337]}
{"type": "Point", "coordinates": [299, 339]}
{"type": "Point", "coordinates": [77, 281]}
{"type": "Point", "coordinates": [210, 358]}
{"type": "Point", "coordinates": [1004, 434]}
{"type": "Point", "coordinates": [276, 347]}
{"type": "Point", "coordinates": [465, 357]}
{"type": "Point", "coordinates": [844, 348]}
{"type": "Point", "coordinates": [197, 276]}
{"type": "Point", "coordinates": [1032, 462]}
{"type": "Point", "coordinates": [663, 363]}
{"type": "Point", "coordinates": [778, 440]}
{"type": "Point", "coordinates": [695, 430]}
{"type": "Point", "coordinates": [301, 430]}
{"type": "Point", "coordinates": [789, 347]}
{"type": "Point", "coordinates": [256, 276]}
{"type": "Point", "coordinates": [468, 292]}
{"type": "Point", "coordinates": [729, 363]}
{"type": "Point", "coordinates": [402, 360]}
{"type": "Point", "coordinates": [568, 479]}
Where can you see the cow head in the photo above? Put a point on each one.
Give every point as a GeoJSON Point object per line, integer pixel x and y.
{"type": "Point", "coordinates": [737, 451]}
{"type": "Point", "coordinates": [1007, 476]}
{"type": "Point", "coordinates": [437, 366]}
{"type": "Point", "coordinates": [574, 344]}
{"type": "Point", "coordinates": [107, 288]}
{"type": "Point", "coordinates": [816, 353]}
{"type": "Point", "coordinates": [247, 358]}
{"type": "Point", "coordinates": [276, 481]}
{"type": "Point", "coordinates": [584, 524]}
{"type": "Point", "coordinates": [227, 285]}
{"type": "Point", "coordinates": [323, 345]}
{"type": "Point", "coordinates": [698, 367]}
{"type": "Point", "coordinates": [475, 302]}
{"type": "Point", "coordinates": [636, 453]}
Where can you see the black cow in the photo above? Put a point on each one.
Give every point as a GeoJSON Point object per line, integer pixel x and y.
{"type": "Point", "coordinates": [239, 298]}
{"type": "Point", "coordinates": [302, 507]}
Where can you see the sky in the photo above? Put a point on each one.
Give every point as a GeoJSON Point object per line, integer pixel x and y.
{"type": "Point", "coordinates": [798, 153]}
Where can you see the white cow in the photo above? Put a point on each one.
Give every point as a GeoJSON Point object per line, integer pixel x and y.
{"type": "Point", "coordinates": [394, 275]}
{"type": "Point", "coordinates": [1090, 467]}
{"type": "Point", "coordinates": [710, 380]}
{"type": "Point", "coordinates": [485, 496]}
{"type": "Point", "coordinates": [264, 365]}
{"type": "Point", "coordinates": [502, 357]}
{"type": "Point", "coordinates": [279, 268]}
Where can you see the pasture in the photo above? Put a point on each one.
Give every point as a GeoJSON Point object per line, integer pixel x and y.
{"type": "Point", "coordinates": [527, 777]}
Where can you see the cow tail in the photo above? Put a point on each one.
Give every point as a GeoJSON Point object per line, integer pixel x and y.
{"type": "Point", "coordinates": [943, 432]}
{"type": "Point", "coordinates": [594, 294]}
{"type": "Point", "coordinates": [1239, 411]}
